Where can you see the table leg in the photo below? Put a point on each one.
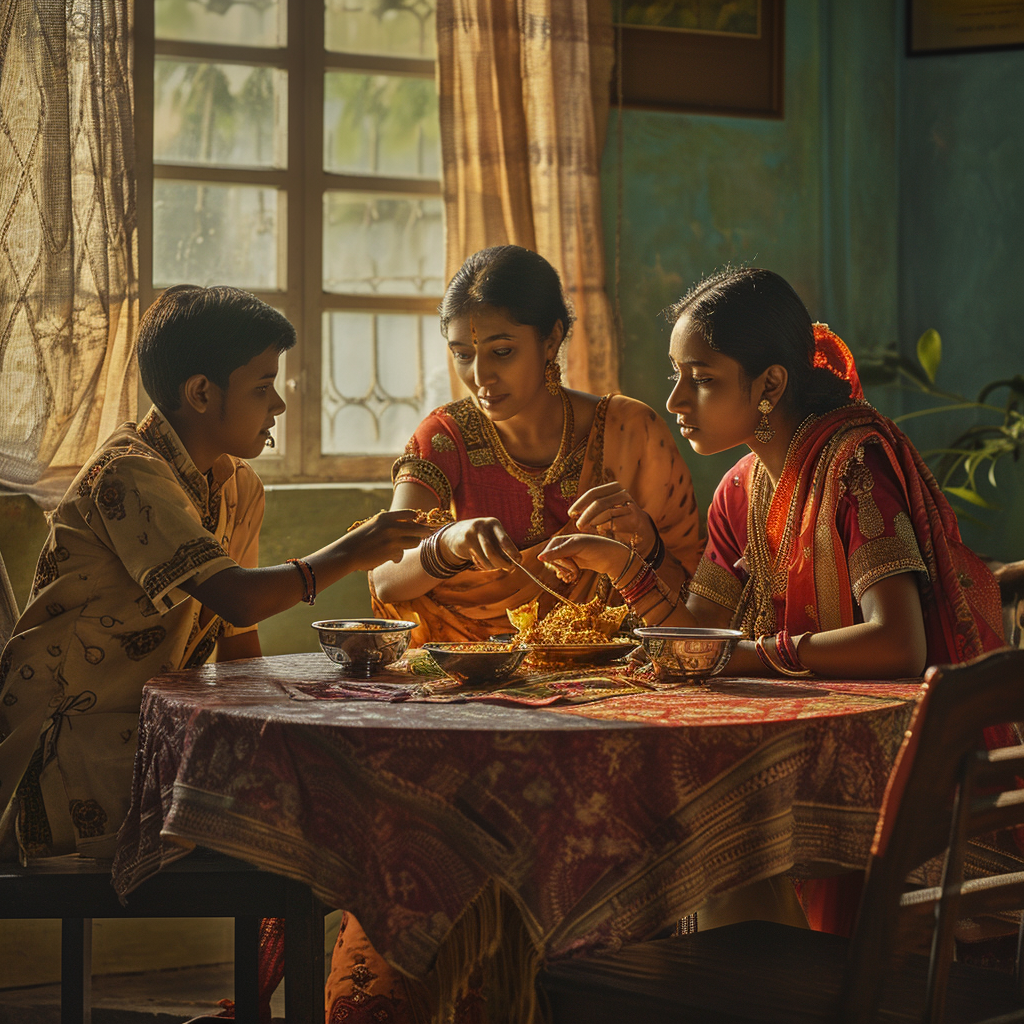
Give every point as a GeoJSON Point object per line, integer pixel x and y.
{"type": "Point", "coordinates": [76, 970]}
{"type": "Point", "coordinates": [247, 974]}
{"type": "Point", "coordinates": [303, 955]}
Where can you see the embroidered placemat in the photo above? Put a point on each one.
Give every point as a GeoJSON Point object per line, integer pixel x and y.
{"type": "Point", "coordinates": [416, 677]}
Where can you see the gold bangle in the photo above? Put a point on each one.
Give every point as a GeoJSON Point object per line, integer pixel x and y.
{"type": "Point", "coordinates": [618, 579]}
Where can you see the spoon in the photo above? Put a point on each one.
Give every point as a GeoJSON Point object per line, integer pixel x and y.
{"type": "Point", "coordinates": [543, 586]}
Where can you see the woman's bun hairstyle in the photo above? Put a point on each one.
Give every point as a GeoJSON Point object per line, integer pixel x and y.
{"type": "Point", "coordinates": [513, 279]}
{"type": "Point", "coordinates": [755, 317]}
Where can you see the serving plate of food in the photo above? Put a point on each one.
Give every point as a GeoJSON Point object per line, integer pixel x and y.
{"type": "Point", "coordinates": [570, 634]}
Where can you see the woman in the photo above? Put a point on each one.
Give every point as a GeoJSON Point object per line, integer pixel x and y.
{"type": "Point", "coordinates": [522, 460]}
{"type": "Point", "coordinates": [830, 543]}
{"type": "Point", "coordinates": [518, 462]}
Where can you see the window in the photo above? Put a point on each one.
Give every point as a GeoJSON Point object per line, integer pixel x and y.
{"type": "Point", "coordinates": [291, 148]}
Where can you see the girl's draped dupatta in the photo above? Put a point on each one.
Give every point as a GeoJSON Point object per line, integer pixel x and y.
{"type": "Point", "coordinates": [960, 599]}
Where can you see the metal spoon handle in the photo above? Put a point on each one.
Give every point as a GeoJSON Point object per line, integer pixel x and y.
{"type": "Point", "coordinates": [543, 586]}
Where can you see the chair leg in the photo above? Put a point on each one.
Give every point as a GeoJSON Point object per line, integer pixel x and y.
{"type": "Point", "coordinates": [76, 970]}
{"type": "Point", "coordinates": [247, 969]}
{"type": "Point", "coordinates": [303, 955]}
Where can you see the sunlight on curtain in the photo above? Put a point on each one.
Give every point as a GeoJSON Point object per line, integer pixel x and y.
{"type": "Point", "coordinates": [68, 260]}
{"type": "Point", "coordinates": [524, 94]}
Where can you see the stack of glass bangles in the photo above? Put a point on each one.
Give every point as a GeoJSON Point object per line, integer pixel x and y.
{"type": "Point", "coordinates": [782, 658]}
{"type": "Point", "coordinates": [434, 562]}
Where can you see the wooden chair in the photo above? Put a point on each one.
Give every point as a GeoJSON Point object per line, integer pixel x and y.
{"type": "Point", "coordinates": [944, 790]}
{"type": "Point", "coordinates": [200, 885]}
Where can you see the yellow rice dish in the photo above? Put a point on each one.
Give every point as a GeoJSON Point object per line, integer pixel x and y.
{"type": "Point", "coordinates": [590, 623]}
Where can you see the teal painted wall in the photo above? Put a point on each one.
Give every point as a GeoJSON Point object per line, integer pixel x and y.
{"type": "Point", "coordinates": [961, 257]}
{"type": "Point", "coordinates": [811, 196]}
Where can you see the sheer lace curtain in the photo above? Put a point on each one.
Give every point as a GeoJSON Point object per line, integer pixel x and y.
{"type": "Point", "coordinates": [524, 95]}
{"type": "Point", "coordinates": [68, 260]}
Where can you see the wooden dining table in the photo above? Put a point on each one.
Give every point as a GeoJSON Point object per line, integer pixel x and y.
{"type": "Point", "coordinates": [594, 809]}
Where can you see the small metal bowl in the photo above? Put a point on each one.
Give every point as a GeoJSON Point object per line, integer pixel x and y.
{"type": "Point", "coordinates": [361, 647]}
{"type": "Point", "coordinates": [475, 664]}
{"type": "Point", "coordinates": [686, 655]}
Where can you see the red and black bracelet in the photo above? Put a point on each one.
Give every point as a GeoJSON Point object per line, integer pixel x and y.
{"type": "Point", "coordinates": [308, 579]}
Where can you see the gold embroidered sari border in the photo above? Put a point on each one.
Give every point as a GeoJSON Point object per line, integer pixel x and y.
{"type": "Point", "coordinates": [716, 584]}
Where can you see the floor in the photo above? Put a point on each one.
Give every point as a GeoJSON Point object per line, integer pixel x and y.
{"type": "Point", "coordinates": [159, 997]}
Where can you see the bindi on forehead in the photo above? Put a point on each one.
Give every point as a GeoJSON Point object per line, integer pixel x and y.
{"type": "Point", "coordinates": [472, 332]}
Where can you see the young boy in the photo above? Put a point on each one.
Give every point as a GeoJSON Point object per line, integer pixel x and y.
{"type": "Point", "coordinates": [150, 564]}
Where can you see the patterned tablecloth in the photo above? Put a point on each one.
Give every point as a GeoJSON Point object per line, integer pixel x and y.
{"type": "Point", "coordinates": [601, 821]}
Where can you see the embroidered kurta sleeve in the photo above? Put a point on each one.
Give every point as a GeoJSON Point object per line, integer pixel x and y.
{"type": "Point", "coordinates": [137, 508]}
{"type": "Point", "coordinates": [722, 571]}
{"type": "Point", "coordinates": [874, 523]}
{"type": "Point", "coordinates": [431, 459]}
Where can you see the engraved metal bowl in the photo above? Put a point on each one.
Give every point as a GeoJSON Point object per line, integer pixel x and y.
{"type": "Point", "coordinates": [686, 655]}
{"type": "Point", "coordinates": [476, 664]}
{"type": "Point", "coordinates": [360, 647]}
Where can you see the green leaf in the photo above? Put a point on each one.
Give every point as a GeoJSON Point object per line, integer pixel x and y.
{"type": "Point", "coordinates": [966, 494]}
{"type": "Point", "coordinates": [929, 352]}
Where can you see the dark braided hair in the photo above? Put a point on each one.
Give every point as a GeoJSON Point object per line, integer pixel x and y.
{"type": "Point", "coordinates": [513, 279]}
{"type": "Point", "coordinates": [754, 316]}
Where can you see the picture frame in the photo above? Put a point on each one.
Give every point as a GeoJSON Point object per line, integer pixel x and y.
{"type": "Point", "coordinates": [727, 64]}
{"type": "Point", "coordinates": [963, 26]}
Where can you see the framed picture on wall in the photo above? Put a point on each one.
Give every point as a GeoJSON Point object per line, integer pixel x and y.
{"type": "Point", "coordinates": [951, 26]}
{"type": "Point", "coordinates": [701, 56]}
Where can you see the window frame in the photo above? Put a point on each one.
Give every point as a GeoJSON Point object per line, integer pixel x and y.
{"type": "Point", "coordinates": [301, 188]}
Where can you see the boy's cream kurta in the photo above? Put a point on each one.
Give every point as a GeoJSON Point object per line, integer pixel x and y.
{"type": "Point", "coordinates": [107, 613]}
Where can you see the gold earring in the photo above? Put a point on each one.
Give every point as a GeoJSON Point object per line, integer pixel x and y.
{"type": "Point", "coordinates": [764, 432]}
{"type": "Point", "coordinates": [552, 376]}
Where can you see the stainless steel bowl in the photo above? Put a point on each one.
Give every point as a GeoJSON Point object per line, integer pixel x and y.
{"type": "Point", "coordinates": [361, 647]}
{"type": "Point", "coordinates": [476, 664]}
{"type": "Point", "coordinates": [686, 655]}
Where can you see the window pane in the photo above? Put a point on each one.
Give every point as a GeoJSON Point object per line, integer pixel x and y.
{"type": "Point", "coordinates": [383, 244]}
{"type": "Point", "coordinates": [396, 28]}
{"type": "Point", "coordinates": [223, 21]}
{"type": "Point", "coordinates": [233, 115]}
{"type": "Point", "coordinates": [382, 373]}
{"type": "Point", "coordinates": [216, 234]}
{"type": "Point", "coordinates": [381, 124]}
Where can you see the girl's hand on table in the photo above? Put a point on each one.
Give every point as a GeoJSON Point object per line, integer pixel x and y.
{"type": "Point", "coordinates": [568, 555]}
{"type": "Point", "coordinates": [611, 511]}
{"type": "Point", "coordinates": [383, 538]}
{"type": "Point", "coordinates": [482, 541]}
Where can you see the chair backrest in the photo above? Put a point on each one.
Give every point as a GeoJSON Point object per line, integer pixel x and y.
{"type": "Point", "coordinates": [944, 790]}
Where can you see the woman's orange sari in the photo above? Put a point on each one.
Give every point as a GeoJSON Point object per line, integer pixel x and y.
{"type": "Point", "coordinates": [628, 442]}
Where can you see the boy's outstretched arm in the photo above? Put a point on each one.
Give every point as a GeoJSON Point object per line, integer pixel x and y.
{"type": "Point", "coordinates": [239, 646]}
{"type": "Point", "coordinates": [246, 596]}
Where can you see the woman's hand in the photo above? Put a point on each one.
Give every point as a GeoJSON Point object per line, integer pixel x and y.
{"type": "Point", "coordinates": [568, 555]}
{"type": "Point", "coordinates": [482, 541]}
{"type": "Point", "coordinates": [611, 511]}
{"type": "Point", "coordinates": [383, 538]}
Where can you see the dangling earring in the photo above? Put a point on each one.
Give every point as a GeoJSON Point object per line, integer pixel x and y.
{"type": "Point", "coordinates": [552, 376]}
{"type": "Point", "coordinates": [764, 432]}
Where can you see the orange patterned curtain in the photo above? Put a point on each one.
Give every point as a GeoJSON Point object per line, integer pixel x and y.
{"type": "Point", "coordinates": [524, 94]}
{"type": "Point", "coordinates": [68, 260]}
